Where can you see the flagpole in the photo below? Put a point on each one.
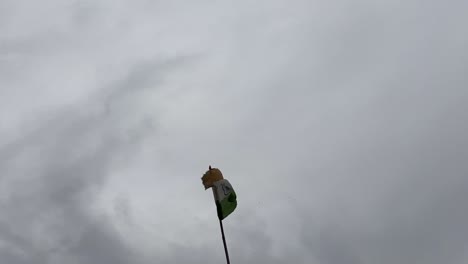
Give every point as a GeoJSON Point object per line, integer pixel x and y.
{"type": "Point", "coordinates": [222, 231]}
{"type": "Point", "coordinates": [224, 241]}
{"type": "Point", "coordinates": [221, 227]}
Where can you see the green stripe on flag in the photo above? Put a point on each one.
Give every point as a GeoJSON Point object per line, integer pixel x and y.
{"type": "Point", "coordinates": [226, 198]}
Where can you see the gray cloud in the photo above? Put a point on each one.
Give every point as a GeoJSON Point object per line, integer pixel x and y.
{"type": "Point", "coordinates": [52, 175]}
{"type": "Point", "coordinates": [341, 125]}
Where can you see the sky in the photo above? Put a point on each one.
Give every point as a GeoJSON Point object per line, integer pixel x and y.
{"type": "Point", "coordinates": [342, 126]}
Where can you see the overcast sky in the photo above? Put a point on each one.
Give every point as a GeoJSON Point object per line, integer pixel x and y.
{"type": "Point", "coordinates": [342, 126]}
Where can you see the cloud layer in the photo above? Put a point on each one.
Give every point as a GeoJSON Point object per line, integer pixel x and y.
{"type": "Point", "coordinates": [342, 126]}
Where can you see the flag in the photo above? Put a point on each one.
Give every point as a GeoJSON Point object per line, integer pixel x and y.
{"type": "Point", "coordinates": [225, 198]}
{"type": "Point", "coordinates": [211, 176]}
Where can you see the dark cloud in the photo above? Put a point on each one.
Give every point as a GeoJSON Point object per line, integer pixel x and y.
{"type": "Point", "coordinates": [51, 176]}
{"type": "Point", "coordinates": [342, 126]}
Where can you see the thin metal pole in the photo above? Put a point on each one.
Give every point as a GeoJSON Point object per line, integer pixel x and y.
{"type": "Point", "coordinates": [220, 224]}
{"type": "Point", "coordinates": [224, 241]}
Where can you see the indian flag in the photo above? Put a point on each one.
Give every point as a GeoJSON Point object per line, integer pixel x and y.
{"type": "Point", "coordinates": [225, 198]}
